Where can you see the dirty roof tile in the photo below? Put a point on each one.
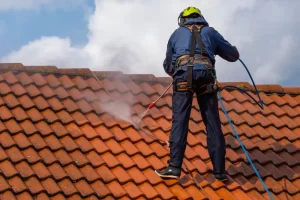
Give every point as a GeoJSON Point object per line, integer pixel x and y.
{"type": "Point", "coordinates": [5, 89]}
{"type": "Point", "coordinates": [61, 93]}
{"type": "Point", "coordinates": [24, 78]}
{"type": "Point", "coordinates": [55, 129]}
{"type": "Point", "coordinates": [32, 91]}
{"type": "Point", "coordinates": [9, 77]}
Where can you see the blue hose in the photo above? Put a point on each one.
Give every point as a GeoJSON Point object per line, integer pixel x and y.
{"type": "Point", "coordinates": [236, 135]}
{"type": "Point", "coordinates": [261, 102]}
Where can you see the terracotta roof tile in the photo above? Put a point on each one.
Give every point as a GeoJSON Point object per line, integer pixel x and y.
{"type": "Point", "coordinates": [41, 171]}
{"type": "Point", "coordinates": [84, 188]}
{"type": "Point", "coordinates": [58, 142]}
{"type": "Point", "coordinates": [24, 195]}
{"type": "Point", "coordinates": [18, 90]}
{"type": "Point", "coordinates": [17, 185]}
{"type": "Point", "coordinates": [34, 186]}
{"type": "Point", "coordinates": [4, 184]}
{"type": "Point", "coordinates": [67, 187]}
{"type": "Point", "coordinates": [8, 195]}
{"type": "Point", "coordinates": [61, 93]}
{"type": "Point", "coordinates": [117, 190]}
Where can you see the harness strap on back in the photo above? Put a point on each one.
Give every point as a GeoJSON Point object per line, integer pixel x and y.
{"type": "Point", "coordinates": [199, 41]}
{"type": "Point", "coordinates": [195, 37]}
{"type": "Point", "coordinates": [191, 60]}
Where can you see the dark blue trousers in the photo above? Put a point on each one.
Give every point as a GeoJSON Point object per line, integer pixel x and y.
{"type": "Point", "coordinates": [181, 106]}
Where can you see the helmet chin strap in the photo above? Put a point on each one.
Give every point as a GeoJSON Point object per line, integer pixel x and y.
{"type": "Point", "coordinates": [180, 19]}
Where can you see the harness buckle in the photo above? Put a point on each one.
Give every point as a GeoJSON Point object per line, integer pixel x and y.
{"type": "Point", "coordinates": [191, 61]}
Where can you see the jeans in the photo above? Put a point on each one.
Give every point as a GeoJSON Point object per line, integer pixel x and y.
{"type": "Point", "coordinates": [181, 107]}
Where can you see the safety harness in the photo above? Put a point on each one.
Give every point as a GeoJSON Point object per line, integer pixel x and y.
{"type": "Point", "coordinates": [192, 59]}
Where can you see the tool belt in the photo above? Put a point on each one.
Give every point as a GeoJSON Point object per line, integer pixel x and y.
{"type": "Point", "coordinates": [192, 59]}
{"type": "Point", "coordinates": [197, 59]}
{"type": "Point", "coordinates": [204, 89]}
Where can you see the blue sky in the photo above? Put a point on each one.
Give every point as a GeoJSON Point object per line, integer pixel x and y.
{"type": "Point", "coordinates": [18, 27]}
{"type": "Point", "coordinates": [131, 35]}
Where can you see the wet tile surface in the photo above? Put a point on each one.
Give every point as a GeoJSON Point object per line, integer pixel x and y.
{"type": "Point", "coordinates": [58, 140]}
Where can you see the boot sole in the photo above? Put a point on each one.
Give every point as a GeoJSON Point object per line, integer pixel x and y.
{"type": "Point", "coordinates": [222, 180]}
{"type": "Point", "coordinates": [166, 176]}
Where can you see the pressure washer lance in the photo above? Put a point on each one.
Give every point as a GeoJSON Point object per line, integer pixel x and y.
{"type": "Point", "coordinates": [152, 104]}
{"type": "Point", "coordinates": [100, 83]}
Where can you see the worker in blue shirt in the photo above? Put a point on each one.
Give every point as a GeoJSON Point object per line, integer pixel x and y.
{"type": "Point", "coordinates": [190, 60]}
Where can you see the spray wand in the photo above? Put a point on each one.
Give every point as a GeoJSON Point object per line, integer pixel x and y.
{"type": "Point", "coordinates": [152, 104]}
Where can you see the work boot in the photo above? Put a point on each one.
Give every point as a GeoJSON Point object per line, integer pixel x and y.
{"type": "Point", "coordinates": [221, 177]}
{"type": "Point", "coordinates": [169, 172]}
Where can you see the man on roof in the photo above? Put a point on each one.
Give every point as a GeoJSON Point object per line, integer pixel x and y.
{"type": "Point", "coordinates": [190, 60]}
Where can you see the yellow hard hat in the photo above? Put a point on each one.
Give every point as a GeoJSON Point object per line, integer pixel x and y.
{"type": "Point", "coordinates": [188, 12]}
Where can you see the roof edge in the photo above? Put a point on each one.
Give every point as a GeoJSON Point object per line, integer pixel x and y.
{"type": "Point", "coordinates": [86, 72]}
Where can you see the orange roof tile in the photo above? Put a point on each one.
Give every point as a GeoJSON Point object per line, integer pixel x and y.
{"type": "Point", "coordinates": [58, 141]}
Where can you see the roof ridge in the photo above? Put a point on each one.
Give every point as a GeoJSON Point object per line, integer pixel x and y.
{"type": "Point", "coordinates": [87, 72]}
{"type": "Point", "coordinates": [84, 72]}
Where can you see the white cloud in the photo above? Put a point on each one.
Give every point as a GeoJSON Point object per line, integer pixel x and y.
{"type": "Point", "coordinates": [49, 50]}
{"type": "Point", "coordinates": [131, 36]}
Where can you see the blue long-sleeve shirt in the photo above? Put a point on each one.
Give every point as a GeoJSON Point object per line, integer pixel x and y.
{"type": "Point", "coordinates": [214, 44]}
